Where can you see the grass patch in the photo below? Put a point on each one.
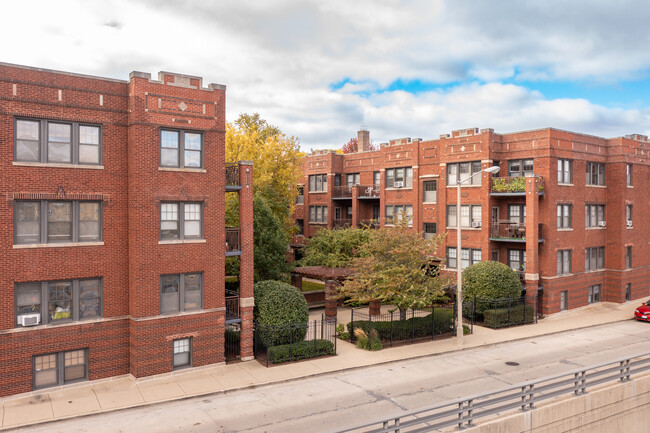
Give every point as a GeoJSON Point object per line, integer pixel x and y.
{"type": "Point", "coordinates": [231, 279]}
{"type": "Point", "coordinates": [310, 286]}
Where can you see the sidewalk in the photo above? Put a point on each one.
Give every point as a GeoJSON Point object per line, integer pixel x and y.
{"type": "Point", "coordinates": [125, 391]}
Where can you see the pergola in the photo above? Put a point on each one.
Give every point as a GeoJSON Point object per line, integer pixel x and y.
{"type": "Point", "coordinates": [332, 277]}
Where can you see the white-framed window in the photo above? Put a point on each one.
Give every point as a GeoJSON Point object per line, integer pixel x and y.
{"type": "Point", "coordinates": [181, 149]}
{"type": "Point", "coordinates": [182, 353]}
{"type": "Point", "coordinates": [563, 262]}
{"type": "Point", "coordinates": [628, 215]}
{"type": "Point", "coordinates": [517, 213]}
{"type": "Point", "coordinates": [430, 191]}
{"type": "Point", "coordinates": [517, 260]}
{"type": "Point", "coordinates": [399, 177]}
{"type": "Point", "coordinates": [180, 225]}
{"type": "Point", "coordinates": [376, 178]}
{"type": "Point", "coordinates": [520, 167]}
{"type": "Point", "coordinates": [318, 214]}
{"type": "Point", "coordinates": [60, 368]}
{"type": "Point", "coordinates": [352, 179]}
{"type": "Point", "coordinates": [181, 292]}
{"type": "Point", "coordinates": [628, 257]}
{"type": "Point", "coordinates": [594, 258]}
{"type": "Point", "coordinates": [300, 198]}
{"type": "Point", "coordinates": [429, 230]}
{"type": "Point", "coordinates": [317, 182]}
{"type": "Point", "coordinates": [564, 212]}
{"type": "Point", "coordinates": [594, 294]}
{"type": "Point", "coordinates": [468, 256]}
{"type": "Point", "coordinates": [463, 171]}
{"type": "Point", "coordinates": [564, 301]}
{"type": "Point", "coordinates": [399, 211]}
{"type": "Point", "coordinates": [595, 173]}
{"type": "Point", "coordinates": [628, 292]}
{"type": "Point", "coordinates": [470, 215]}
{"type": "Point", "coordinates": [564, 171]}
{"type": "Point", "coordinates": [628, 172]}
{"type": "Point", "coordinates": [56, 142]}
{"type": "Point", "coordinates": [594, 215]}
{"type": "Point", "coordinates": [51, 221]}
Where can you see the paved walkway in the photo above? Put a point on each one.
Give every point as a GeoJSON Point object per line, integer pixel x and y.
{"type": "Point", "coordinates": [125, 391]}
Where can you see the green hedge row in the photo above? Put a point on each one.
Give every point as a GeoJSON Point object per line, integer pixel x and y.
{"type": "Point", "coordinates": [502, 317]}
{"type": "Point", "coordinates": [405, 329]}
{"type": "Point", "coordinates": [301, 350]}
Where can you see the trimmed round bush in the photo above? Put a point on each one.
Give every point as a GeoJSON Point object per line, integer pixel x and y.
{"type": "Point", "coordinates": [281, 313]}
{"type": "Point", "coordinates": [489, 280]}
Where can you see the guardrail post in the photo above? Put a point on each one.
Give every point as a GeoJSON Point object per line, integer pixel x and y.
{"type": "Point", "coordinates": [460, 415]}
{"type": "Point", "coordinates": [470, 406]}
{"type": "Point", "coordinates": [624, 372]}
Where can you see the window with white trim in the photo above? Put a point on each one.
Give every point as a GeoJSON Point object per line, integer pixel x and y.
{"type": "Point", "coordinates": [60, 368]}
{"type": "Point", "coordinates": [429, 191]}
{"type": "Point", "coordinates": [468, 256]}
{"type": "Point", "coordinates": [175, 225]}
{"type": "Point", "coordinates": [52, 221]}
{"type": "Point", "coordinates": [594, 294]}
{"type": "Point", "coordinates": [318, 214]}
{"type": "Point", "coordinates": [428, 230]}
{"type": "Point", "coordinates": [564, 171]}
{"type": "Point", "coordinates": [182, 356]}
{"type": "Point", "coordinates": [594, 258]}
{"type": "Point", "coordinates": [564, 216]}
{"type": "Point", "coordinates": [464, 171]}
{"type": "Point", "coordinates": [563, 262]}
{"type": "Point", "coordinates": [595, 173]}
{"type": "Point", "coordinates": [628, 172]}
{"type": "Point", "coordinates": [317, 182]}
{"type": "Point", "coordinates": [520, 167]}
{"type": "Point", "coordinates": [594, 215]}
{"type": "Point", "coordinates": [399, 177]}
{"type": "Point", "coordinates": [181, 149]}
{"type": "Point", "coordinates": [470, 215]}
{"type": "Point", "coordinates": [399, 211]}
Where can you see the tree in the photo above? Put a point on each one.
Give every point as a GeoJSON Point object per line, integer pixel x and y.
{"type": "Point", "coordinates": [352, 146]}
{"type": "Point", "coordinates": [489, 280]}
{"type": "Point", "coordinates": [334, 248]}
{"type": "Point", "coordinates": [394, 267]}
{"type": "Point", "coordinates": [270, 239]}
{"type": "Point", "coordinates": [277, 163]}
{"type": "Point", "coordinates": [278, 305]}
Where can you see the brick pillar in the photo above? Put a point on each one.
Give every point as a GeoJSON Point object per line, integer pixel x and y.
{"type": "Point", "coordinates": [296, 281]}
{"type": "Point", "coordinates": [532, 235]}
{"type": "Point", "coordinates": [382, 196]}
{"type": "Point", "coordinates": [355, 207]}
{"type": "Point", "coordinates": [331, 289]}
{"type": "Point", "coordinates": [246, 279]}
{"type": "Point", "coordinates": [374, 309]}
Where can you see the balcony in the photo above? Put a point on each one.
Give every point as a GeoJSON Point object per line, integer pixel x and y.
{"type": "Point", "coordinates": [342, 192]}
{"type": "Point", "coordinates": [232, 176]}
{"type": "Point", "coordinates": [512, 186]}
{"type": "Point", "coordinates": [369, 223]}
{"type": "Point", "coordinates": [232, 306]}
{"type": "Point", "coordinates": [512, 232]}
{"type": "Point", "coordinates": [368, 191]}
{"type": "Point", "coordinates": [342, 222]}
{"type": "Point", "coordinates": [300, 199]}
{"type": "Point", "coordinates": [233, 247]}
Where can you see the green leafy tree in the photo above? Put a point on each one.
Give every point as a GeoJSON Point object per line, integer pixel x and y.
{"type": "Point", "coordinates": [334, 248]}
{"type": "Point", "coordinates": [270, 240]}
{"type": "Point", "coordinates": [489, 280]}
{"type": "Point", "coordinates": [394, 267]}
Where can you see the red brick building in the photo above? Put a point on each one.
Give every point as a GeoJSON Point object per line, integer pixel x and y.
{"type": "Point", "coordinates": [112, 232]}
{"type": "Point", "coordinates": [566, 210]}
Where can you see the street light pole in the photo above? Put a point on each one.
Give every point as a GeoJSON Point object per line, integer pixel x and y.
{"type": "Point", "coordinates": [459, 279]}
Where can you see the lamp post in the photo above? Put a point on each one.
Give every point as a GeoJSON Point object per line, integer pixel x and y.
{"type": "Point", "coordinates": [459, 280]}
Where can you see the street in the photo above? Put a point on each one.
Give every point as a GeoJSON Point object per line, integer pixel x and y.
{"type": "Point", "coordinates": [339, 400]}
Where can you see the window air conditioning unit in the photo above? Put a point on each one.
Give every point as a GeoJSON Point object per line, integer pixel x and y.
{"type": "Point", "coordinates": [29, 319]}
{"type": "Point", "coordinates": [629, 223]}
{"type": "Point", "coordinates": [601, 223]}
{"type": "Point", "coordinates": [398, 184]}
{"type": "Point", "coordinates": [476, 224]}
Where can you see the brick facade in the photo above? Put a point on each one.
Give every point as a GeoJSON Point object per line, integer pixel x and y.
{"type": "Point", "coordinates": [498, 235]}
{"type": "Point", "coordinates": [131, 336]}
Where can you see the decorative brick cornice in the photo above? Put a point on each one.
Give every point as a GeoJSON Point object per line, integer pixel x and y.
{"type": "Point", "coordinates": [60, 194]}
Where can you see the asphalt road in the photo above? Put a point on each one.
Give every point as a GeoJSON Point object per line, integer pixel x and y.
{"type": "Point", "coordinates": [342, 399]}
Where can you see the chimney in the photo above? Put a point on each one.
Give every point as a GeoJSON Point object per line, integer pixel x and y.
{"type": "Point", "coordinates": [363, 140]}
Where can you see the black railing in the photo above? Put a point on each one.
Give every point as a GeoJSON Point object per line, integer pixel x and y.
{"type": "Point", "coordinates": [232, 305]}
{"type": "Point", "coordinates": [513, 231]}
{"type": "Point", "coordinates": [504, 312]}
{"type": "Point", "coordinates": [288, 343]}
{"type": "Point", "coordinates": [344, 191]}
{"type": "Point", "coordinates": [368, 191]}
{"type": "Point", "coordinates": [232, 239]}
{"type": "Point", "coordinates": [232, 341]}
{"type": "Point", "coordinates": [232, 174]}
{"type": "Point", "coordinates": [513, 185]}
{"type": "Point", "coordinates": [300, 199]}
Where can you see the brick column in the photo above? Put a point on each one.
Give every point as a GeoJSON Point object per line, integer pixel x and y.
{"type": "Point", "coordinates": [355, 207]}
{"type": "Point", "coordinates": [382, 196]}
{"type": "Point", "coordinates": [246, 280]}
{"type": "Point", "coordinates": [296, 281]}
{"type": "Point", "coordinates": [331, 289]}
{"type": "Point", "coordinates": [532, 235]}
{"type": "Point", "coordinates": [374, 308]}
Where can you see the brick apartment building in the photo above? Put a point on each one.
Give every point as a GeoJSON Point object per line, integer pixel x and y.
{"type": "Point", "coordinates": [567, 211]}
{"type": "Point", "coordinates": [112, 227]}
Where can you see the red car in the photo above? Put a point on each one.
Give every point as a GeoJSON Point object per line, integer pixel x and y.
{"type": "Point", "coordinates": [643, 312]}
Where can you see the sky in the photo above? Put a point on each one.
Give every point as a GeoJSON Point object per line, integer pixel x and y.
{"type": "Point", "coordinates": [320, 70]}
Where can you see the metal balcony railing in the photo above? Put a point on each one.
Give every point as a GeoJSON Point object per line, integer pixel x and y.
{"type": "Point", "coordinates": [232, 174]}
{"type": "Point", "coordinates": [512, 185]}
{"type": "Point", "coordinates": [342, 222]}
{"type": "Point", "coordinates": [300, 199]}
{"type": "Point", "coordinates": [343, 191]}
{"type": "Point", "coordinates": [232, 239]}
{"type": "Point", "coordinates": [232, 305]}
{"type": "Point", "coordinates": [508, 231]}
{"type": "Point", "coordinates": [368, 191]}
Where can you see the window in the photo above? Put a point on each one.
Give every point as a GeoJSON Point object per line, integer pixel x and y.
{"type": "Point", "coordinates": [594, 294]}
{"type": "Point", "coordinates": [182, 353]}
{"type": "Point", "coordinates": [594, 215]}
{"type": "Point", "coordinates": [399, 177]}
{"type": "Point", "coordinates": [397, 212]}
{"type": "Point", "coordinates": [628, 257]}
{"type": "Point", "coordinates": [301, 226]}
{"type": "Point", "coordinates": [464, 171]}
{"type": "Point", "coordinates": [300, 198]}
{"type": "Point", "coordinates": [60, 368]}
{"type": "Point", "coordinates": [44, 141]}
{"type": "Point", "coordinates": [429, 189]}
{"type": "Point", "coordinates": [520, 167]}
{"type": "Point", "coordinates": [468, 256]}
{"type": "Point", "coordinates": [317, 182]}
{"type": "Point", "coordinates": [564, 171]}
{"type": "Point", "coordinates": [470, 215]}
{"type": "Point", "coordinates": [563, 262]}
{"type": "Point", "coordinates": [181, 292]}
{"type": "Point", "coordinates": [594, 258]}
{"type": "Point", "coordinates": [353, 179]}
{"type": "Point", "coordinates": [429, 230]}
{"type": "Point", "coordinates": [517, 213]}
{"type": "Point", "coordinates": [175, 225]}
{"type": "Point", "coordinates": [318, 214]}
{"type": "Point", "coordinates": [628, 292]}
{"type": "Point", "coordinates": [563, 300]}
{"type": "Point", "coordinates": [376, 178]}
{"type": "Point", "coordinates": [182, 149]}
{"type": "Point", "coordinates": [595, 174]}
{"type": "Point", "coordinates": [57, 301]}
{"type": "Point", "coordinates": [517, 260]}
{"type": "Point", "coordinates": [629, 174]}
{"type": "Point", "coordinates": [67, 221]}
{"type": "Point", "coordinates": [628, 215]}
{"type": "Point", "coordinates": [564, 216]}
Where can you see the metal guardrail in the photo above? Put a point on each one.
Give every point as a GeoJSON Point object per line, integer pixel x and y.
{"type": "Point", "coordinates": [463, 412]}
{"type": "Point", "coordinates": [232, 174]}
{"type": "Point", "coordinates": [233, 241]}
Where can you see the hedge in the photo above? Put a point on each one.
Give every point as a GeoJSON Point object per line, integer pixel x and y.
{"type": "Point", "coordinates": [300, 350]}
{"type": "Point", "coordinates": [405, 329]}
{"type": "Point", "coordinates": [501, 317]}
{"type": "Point", "coordinates": [281, 310]}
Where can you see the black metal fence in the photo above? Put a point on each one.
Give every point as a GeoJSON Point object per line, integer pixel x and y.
{"type": "Point", "coordinates": [232, 174]}
{"type": "Point", "coordinates": [232, 339]}
{"type": "Point", "coordinates": [288, 343]}
{"type": "Point", "coordinates": [502, 313]}
{"type": "Point", "coordinates": [406, 325]}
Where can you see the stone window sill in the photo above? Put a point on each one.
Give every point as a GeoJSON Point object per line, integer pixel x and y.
{"type": "Point", "coordinates": [182, 241]}
{"type": "Point", "coordinates": [184, 170]}
{"type": "Point", "coordinates": [59, 245]}
{"type": "Point", "coordinates": [54, 165]}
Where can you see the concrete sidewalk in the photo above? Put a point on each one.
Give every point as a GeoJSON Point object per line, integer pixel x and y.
{"type": "Point", "coordinates": [125, 391]}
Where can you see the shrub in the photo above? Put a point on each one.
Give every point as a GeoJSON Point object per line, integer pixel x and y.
{"type": "Point", "coordinates": [300, 350]}
{"type": "Point", "coordinates": [508, 316]}
{"type": "Point", "coordinates": [489, 280]}
{"type": "Point", "coordinates": [281, 313]}
{"type": "Point", "coordinates": [340, 332]}
{"type": "Point", "coordinates": [405, 329]}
